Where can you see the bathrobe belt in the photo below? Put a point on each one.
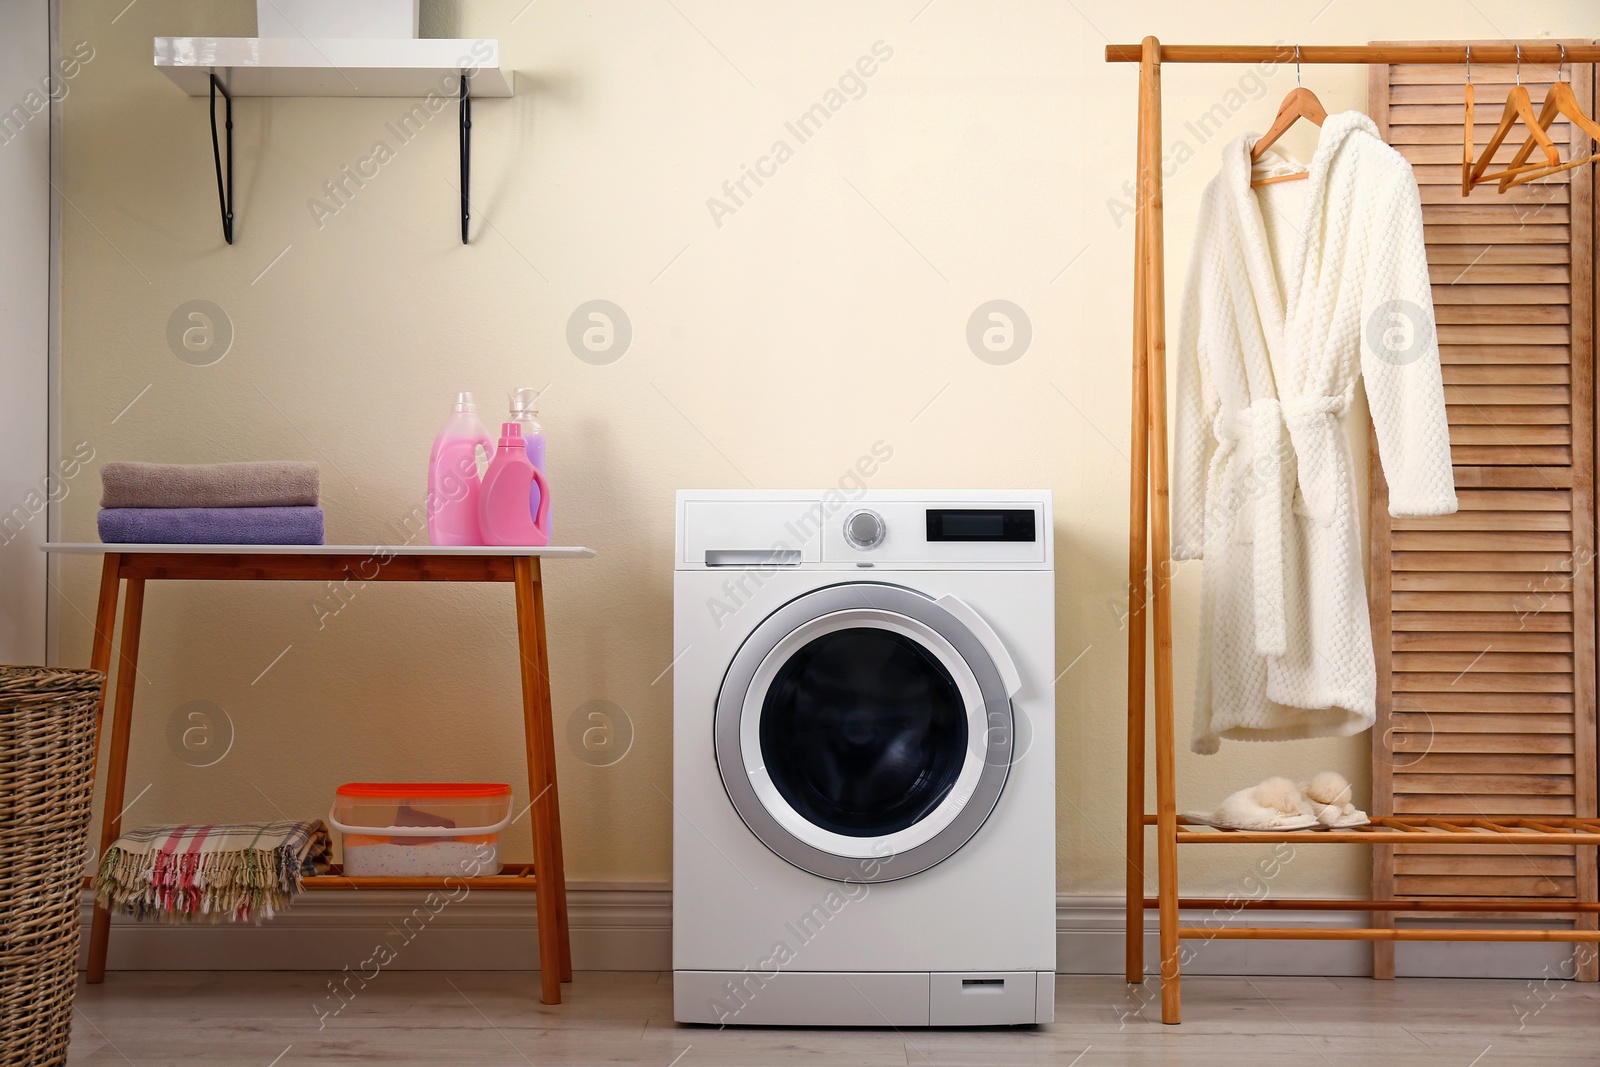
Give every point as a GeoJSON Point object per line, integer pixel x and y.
{"type": "Point", "coordinates": [1269, 488]}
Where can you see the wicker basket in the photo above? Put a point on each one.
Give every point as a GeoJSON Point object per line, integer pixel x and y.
{"type": "Point", "coordinates": [47, 741]}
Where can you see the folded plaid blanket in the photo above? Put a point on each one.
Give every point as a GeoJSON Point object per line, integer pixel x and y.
{"type": "Point", "coordinates": [238, 873]}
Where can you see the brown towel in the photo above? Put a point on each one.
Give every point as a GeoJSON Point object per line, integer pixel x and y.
{"type": "Point", "coordinates": [275, 483]}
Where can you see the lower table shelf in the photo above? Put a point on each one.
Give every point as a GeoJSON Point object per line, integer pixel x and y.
{"type": "Point", "coordinates": [513, 876]}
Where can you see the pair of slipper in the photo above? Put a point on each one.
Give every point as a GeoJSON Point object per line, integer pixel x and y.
{"type": "Point", "coordinates": [1279, 804]}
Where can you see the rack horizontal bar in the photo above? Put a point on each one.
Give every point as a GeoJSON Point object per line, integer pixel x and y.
{"type": "Point", "coordinates": [1442, 904]}
{"type": "Point", "coordinates": [1407, 829]}
{"type": "Point", "coordinates": [1357, 933]}
{"type": "Point", "coordinates": [1444, 55]}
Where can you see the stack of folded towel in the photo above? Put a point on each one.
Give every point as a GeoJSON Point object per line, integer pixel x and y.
{"type": "Point", "coordinates": [273, 503]}
{"type": "Point", "coordinates": [240, 873]}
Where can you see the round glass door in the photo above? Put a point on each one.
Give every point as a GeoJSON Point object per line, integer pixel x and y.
{"type": "Point", "coordinates": [863, 733]}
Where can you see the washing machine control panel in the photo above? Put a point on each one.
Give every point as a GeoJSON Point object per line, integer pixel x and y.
{"type": "Point", "coordinates": [840, 529]}
{"type": "Point", "coordinates": [891, 532]}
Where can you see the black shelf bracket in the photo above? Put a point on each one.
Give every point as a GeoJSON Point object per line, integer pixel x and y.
{"type": "Point", "coordinates": [224, 194]}
{"type": "Point", "coordinates": [225, 173]}
{"type": "Point", "coordinates": [466, 155]}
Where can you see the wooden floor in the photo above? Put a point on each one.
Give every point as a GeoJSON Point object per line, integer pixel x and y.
{"type": "Point", "coordinates": [271, 1019]}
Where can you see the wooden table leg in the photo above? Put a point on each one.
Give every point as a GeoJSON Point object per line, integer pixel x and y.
{"type": "Point", "coordinates": [117, 768]}
{"type": "Point", "coordinates": [559, 867]}
{"type": "Point", "coordinates": [541, 779]}
{"type": "Point", "coordinates": [105, 625]}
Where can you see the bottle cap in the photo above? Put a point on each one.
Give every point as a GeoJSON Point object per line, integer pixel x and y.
{"type": "Point", "coordinates": [525, 401]}
{"type": "Point", "coordinates": [510, 433]}
{"type": "Point", "coordinates": [464, 402]}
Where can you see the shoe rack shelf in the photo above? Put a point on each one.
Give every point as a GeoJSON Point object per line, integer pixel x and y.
{"type": "Point", "coordinates": [1408, 830]}
{"type": "Point", "coordinates": [331, 67]}
{"type": "Point", "coordinates": [1149, 597]}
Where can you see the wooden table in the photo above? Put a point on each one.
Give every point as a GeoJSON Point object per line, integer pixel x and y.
{"type": "Point", "coordinates": [137, 564]}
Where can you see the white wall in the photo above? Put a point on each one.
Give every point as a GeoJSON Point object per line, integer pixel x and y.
{"type": "Point", "coordinates": [26, 88]}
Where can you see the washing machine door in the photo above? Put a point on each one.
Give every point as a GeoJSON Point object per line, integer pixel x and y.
{"type": "Point", "coordinates": [864, 731]}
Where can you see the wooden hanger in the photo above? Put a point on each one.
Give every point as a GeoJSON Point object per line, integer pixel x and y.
{"type": "Point", "coordinates": [1560, 100]}
{"type": "Point", "coordinates": [1301, 103]}
{"type": "Point", "coordinates": [1518, 106]}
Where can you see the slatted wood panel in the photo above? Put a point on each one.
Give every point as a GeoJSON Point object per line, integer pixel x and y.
{"type": "Point", "coordinates": [1483, 621]}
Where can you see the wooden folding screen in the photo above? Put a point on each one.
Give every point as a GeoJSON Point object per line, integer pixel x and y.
{"type": "Point", "coordinates": [1484, 621]}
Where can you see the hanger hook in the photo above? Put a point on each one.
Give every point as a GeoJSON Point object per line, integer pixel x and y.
{"type": "Point", "coordinates": [1562, 63]}
{"type": "Point", "coordinates": [1469, 64]}
{"type": "Point", "coordinates": [1519, 63]}
{"type": "Point", "coordinates": [1297, 66]}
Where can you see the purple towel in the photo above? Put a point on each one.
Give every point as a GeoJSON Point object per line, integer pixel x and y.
{"type": "Point", "coordinates": [211, 526]}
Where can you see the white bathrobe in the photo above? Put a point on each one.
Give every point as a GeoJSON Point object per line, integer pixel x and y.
{"type": "Point", "coordinates": [1294, 290]}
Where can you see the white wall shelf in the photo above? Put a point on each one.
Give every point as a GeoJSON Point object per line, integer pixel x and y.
{"type": "Point", "coordinates": [299, 66]}
{"type": "Point", "coordinates": [332, 67]}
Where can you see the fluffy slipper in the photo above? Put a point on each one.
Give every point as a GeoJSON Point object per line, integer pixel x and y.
{"type": "Point", "coordinates": [1327, 797]}
{"type": "Point", "coordinates": [1275, 804]}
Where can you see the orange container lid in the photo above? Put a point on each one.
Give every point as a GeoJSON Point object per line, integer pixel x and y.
{"type": "Point", "coordinates": [431, 790]}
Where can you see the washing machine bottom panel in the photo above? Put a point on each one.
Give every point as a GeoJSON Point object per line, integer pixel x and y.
{"type": "Point", "coordinates": [864, 998]}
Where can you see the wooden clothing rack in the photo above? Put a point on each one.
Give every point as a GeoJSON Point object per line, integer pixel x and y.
{"type": "Point", "coordinates": [1149, 550]}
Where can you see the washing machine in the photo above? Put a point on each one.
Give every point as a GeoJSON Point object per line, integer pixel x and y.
{"type": "Point", "coordinates": [864, 825]}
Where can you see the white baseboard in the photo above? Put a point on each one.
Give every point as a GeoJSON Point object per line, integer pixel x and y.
{"type": "Point", "coordinates": [628, 927]}
{"type": "Point", "coordinates": [614, 928]}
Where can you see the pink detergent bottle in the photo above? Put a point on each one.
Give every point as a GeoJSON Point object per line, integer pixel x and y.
{"type": "Point", "coordinates": [453, 486]}
{"type": "Point", "coordinates": [503, 502]}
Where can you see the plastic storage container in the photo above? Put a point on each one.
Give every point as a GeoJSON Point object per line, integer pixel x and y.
{"type": "Point", "coordinates": [421, 829]}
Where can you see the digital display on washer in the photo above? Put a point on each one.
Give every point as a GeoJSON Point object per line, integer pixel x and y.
{"type": "Point", "coordinates": [981, 524]}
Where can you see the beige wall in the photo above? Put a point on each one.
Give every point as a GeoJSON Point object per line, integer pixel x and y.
{"type": "Point", "coordinates": [987, 158]}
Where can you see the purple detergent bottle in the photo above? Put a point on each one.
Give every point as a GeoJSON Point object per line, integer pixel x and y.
{"type": "Point", "coordinates": [525, 413]}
